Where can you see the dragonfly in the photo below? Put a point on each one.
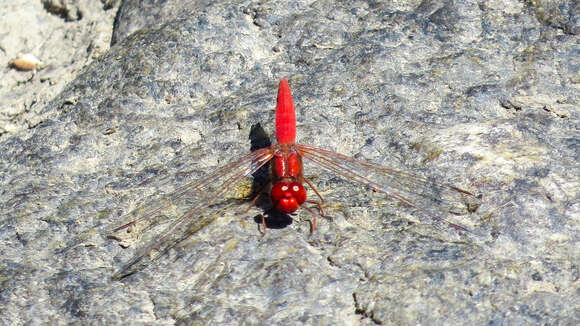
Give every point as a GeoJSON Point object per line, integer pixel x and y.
{"type": "Point", "coordinates": [288, 193]}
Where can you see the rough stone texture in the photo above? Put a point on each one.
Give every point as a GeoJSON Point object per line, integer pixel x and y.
{"type": "Point", "coordinates": [134, 15]}
{"type": "Point", "coordinates": [64, 35]}
{"type": "Point", "coordinates": [481, 94]}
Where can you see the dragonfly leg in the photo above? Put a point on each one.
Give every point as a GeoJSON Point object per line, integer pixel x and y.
{"type": "Point", "coordinates": [318, 205]}
{"type": "Point", "coordinates": [252, 203]}
{"type": "Point", "coordinates": [263, 223]}
{"type": "Point", "coordinates": [313, 221]}
{"type": "Point", "coordinates": [314, 189]}
{"type": "Point", "coordinates": [320, 209]}
{"type": "Point", "coordinates": [255, 199]}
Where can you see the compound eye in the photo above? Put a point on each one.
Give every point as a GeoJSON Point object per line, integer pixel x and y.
{"type": "Point", "coordinates": [298, 192]}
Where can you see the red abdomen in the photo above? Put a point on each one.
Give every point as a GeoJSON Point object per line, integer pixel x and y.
{"type": "Point", "coordinates": [285, 117]}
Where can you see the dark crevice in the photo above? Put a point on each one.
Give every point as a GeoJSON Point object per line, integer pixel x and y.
{"type": "Point", "coordinates": [359, 310]}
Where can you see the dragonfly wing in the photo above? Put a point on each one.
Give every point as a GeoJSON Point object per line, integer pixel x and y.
{"type": "Point", "coordinates": [433, 199]}
{"type": "Point", "coordinates": [200, 194]}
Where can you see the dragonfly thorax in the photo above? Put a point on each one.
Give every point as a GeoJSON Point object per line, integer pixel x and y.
{"type": "Point", "coordinates": [288, 196]}
{"type": "Point", "coordinates": [287, 163]}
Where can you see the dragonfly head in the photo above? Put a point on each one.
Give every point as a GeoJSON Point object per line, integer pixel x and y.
{"type": "Point", "coordinates": [288, 196]}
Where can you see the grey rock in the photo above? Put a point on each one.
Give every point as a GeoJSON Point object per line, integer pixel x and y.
{"type": "Point", "coordinates": [135, 15]}
{"type": "Point", "coordinates": [63, 46]}
{"type": "Point", "coordinates": [480, 95]}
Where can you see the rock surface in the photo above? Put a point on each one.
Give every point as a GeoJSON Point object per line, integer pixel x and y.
{"type": "Point", "coordinates": [483, 95]}
{"type": "Point", "coordinates": [64, 35]}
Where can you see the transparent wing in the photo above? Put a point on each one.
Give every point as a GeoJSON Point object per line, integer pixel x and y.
{"type": "Point", "coordinates": [433, 199]}
{"type": "Point", "coordinates": [200, 195]}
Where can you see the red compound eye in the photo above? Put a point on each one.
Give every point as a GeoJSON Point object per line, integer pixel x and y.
{"type": "Point", "coordinates": [287, 197]}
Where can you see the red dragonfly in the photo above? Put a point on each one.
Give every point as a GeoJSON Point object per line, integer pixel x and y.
{"type": "Point", "coordinates": [288, 193]}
